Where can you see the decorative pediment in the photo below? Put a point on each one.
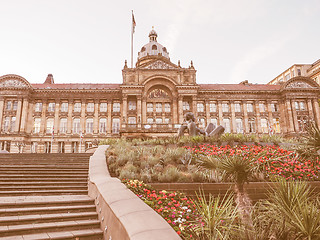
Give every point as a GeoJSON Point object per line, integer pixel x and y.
{"type": "Point", "coordinates": [299, 84]}
{"type": "Point", "coordinates": [159, 65]}
{"type": "Point", "coordinates": [13, 83]}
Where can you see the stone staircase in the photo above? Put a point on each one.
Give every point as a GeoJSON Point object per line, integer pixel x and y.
{"type": "Point", "coordinates": [45, 196]}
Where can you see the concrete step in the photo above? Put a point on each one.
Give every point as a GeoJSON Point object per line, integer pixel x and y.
{"type": "Point", "coordinates": [41, 218]}
{"type": "Point", "coordinates": [42, 175]}
{"type": "Point", "coordinates": [36, 167]}
{"type": "Point", "coordinates": [47, 227]}
{"type": "Point", "coordinates": [32, 210]}
{"type": "Point", "coordinates": [48, 171]}
{"type": "Point", "coordinates": [44, 179]}
{"type": "Point", "coordinates": [86, 234]}
{"type": "Point", "coordinates": [32, 187]}
{"type": "Point", "coordinates": [41, 183]}
{"type": "Point", "coordinates": [43, 192]}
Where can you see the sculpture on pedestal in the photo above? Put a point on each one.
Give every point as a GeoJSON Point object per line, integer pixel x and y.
{"type": "Point", "coordinates": [191, 126]}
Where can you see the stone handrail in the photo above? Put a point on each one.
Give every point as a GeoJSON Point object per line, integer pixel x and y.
{"type": "Point", "coordinates": [121, 213]}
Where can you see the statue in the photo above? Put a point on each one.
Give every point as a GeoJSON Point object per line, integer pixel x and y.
{"type": "Point", "coordinates": [210, 131]}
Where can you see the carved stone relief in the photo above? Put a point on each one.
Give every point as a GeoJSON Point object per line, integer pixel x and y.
{"type": "Point", "coordinates": [13, 83]}
{"type": "Point", "coordinates": [299, 85]}
{"type": "Point", "coordinates": [159, 65]}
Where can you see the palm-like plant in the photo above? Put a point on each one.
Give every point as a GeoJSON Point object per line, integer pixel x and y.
{"type": "Point", "coordinates": [293, 211]}
{"type": "Point", "coordinates": [217, 218]}
{"type": "Point", "coordinates": [311, 141]}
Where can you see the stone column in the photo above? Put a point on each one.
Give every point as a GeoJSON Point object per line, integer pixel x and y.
{"type": "Point", "coordinates": [233, 118]}
{"type": "Point", "coordinates": [310, 108]}
{"type": "Point", "coordinates": [207, 105]}
{"type": "Point", "coordinates": [180, 109]}
{"type": "Point", "coordinates": [24, 115]}
{"type": "Point", "coordinates": [56, 122]}
{"type": "Point", "coordinates": [220, 112]}
{"type": "Point", "coordinates": [18, 115]}
{"type": "Point", "coordinates": [283, 120]}
{"type": "Point", "coordinates": [28, 124]}
{"type": "Point", "coordinates": [290, 118]}
{"type": "Point", "coordinates": [83, 117]}
{"type": "Point", "coordinates": [1, 112]}
{"type": "Point", "coordinates": [96, 117]}
{"type": "Point", "coordinates": [269, 109]}
{"type": "Point", "coordinates": [139, 111]}
{"type": "Point", "coordinates": [258, 120]}
{"type": "Point", "coordinates": [175, 110]}
{"type": "Point", "coordinates": [43, 117]}
{"type": "Point", "coordinates": [69, 121]}
{"type": "Point", "coordinates": [144, 111]}
{"type": "Point", "coordinates": [295, 119]}
{"type": "Point", "coordinates": [194, 107]}
{"type": "Point", "coordinates": [109, 125]}
{"type": "Point", "coordinates": [245, 116]}
{"type": "Point", "coordinates": [124, 111]}
{"type": "Point", "coordinates": [316, 111]}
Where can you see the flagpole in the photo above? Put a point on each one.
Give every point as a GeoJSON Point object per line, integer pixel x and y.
{"type": "Point", "coordinates": [132, 31]}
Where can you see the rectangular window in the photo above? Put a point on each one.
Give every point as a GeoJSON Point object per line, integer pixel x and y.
{"type": "Point", "coordinates": [76, 125]}
{"type": "Point", "coordinates": [202, 123]}
{"type": "Point", "coordinates": [264, 125]}
{"type": "Point", "coordinates": [116, 107]}
{"type": "Point", "coordinates": [185, 106]}
{"type": "Point", "coordinates": [252, 125]}
{"type": "Point", "coordinates": [214, 121]}
{"type": "Point", "coordinates": [167, 107]}
{"type": "Point", "coordinates": [239, 127]}
{"type": "Point", "coordinates": [158, 107]}
{"type": "Point", "coordinates": [13, 124]}
{"type": "Point", "coordinates": [77, 107]}
{"type": "Point", "coordinates": [132, 120]}
{"type": "Point", "coordinates": [213, 107]}
{"type": "Point", "coordinates": [103, 107]}
{"type": "Point", "coordinates": [149, 107]}
{"type": "Point", "coordinates": [276, 125]}
{"type": "Point", "coordinates": [38, 107]}
{"type": "Point", "coordinates": [63, 125]}
{"type": "Point", "coordinates": [132, 105]}
{"type": "Point", "coordinates": [167, 120]}
{"type": "Point", "coordinates": [274, 107]}
{"type": "Point", "coordinates": [115, 125]}
{"type": "Point", "coordinates": [200, 107]}
{"type": "Point", "coordinates": [6, 124]}
{"type": "Point", "coordinates": [249, 107]}
{"type": "Point", "coordinates": [287, 76]}
{"type": "Point", "coordinates": [262, 107]}
{"type": "Point", "coordinates": [150, 120]}
{"type": "Point", "coordinates": [36, 125]}
{"type": "Point", "coordinates": [225, 107]}
{"type": "Point", "coordinates": [90, 107]}
{"type": "Point", "coordinates": [8, 105]}
{"type": "Point", "coordinates": [158, 120]}
{"type": "Point", "coordinates": [64, 107]}
{"type": "Point", "coordinates": [15, 105]}
{"type": "Point", "coordinates": [50, 122]}
{"type": "Point", "coordinates": [51, 107]}
{"type": "Point", "coordinates": [226, 124]}
{"type": "Point", "coordinates": [296, 104]}
{"type": "Point", "coordinates": [102, 125]}
{"type": "Point", "coordinates": [237, 107]}
{"type": "Point", "coordinates": [89, 125]}
{"type": "Point", "coordinates": [302, 106]}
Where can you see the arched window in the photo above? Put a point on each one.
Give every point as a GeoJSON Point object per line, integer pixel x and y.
{"type": "Point", "coordinates": [154, 47]}
{"type": "Point", "coordinates": [143, 49]}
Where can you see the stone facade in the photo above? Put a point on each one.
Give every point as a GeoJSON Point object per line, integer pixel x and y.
{"type": "Point", "coordinates": [151, 101]}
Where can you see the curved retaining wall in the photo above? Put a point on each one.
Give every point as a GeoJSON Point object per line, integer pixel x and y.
{"type": "Point", "coordinates": [121, 213]}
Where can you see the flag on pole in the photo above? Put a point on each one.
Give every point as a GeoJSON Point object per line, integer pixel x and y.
{"type": "Point", "coordinates": [133, 23]}
{"type": "Point", "coordinates": [81, 136]}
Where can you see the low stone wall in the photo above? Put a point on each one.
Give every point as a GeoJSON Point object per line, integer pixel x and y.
{"type": "Point", "coordinates": [121, 213]}
{"type": "Point", "coordinates": [255, 190]}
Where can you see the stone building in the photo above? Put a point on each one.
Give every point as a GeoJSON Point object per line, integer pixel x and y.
{"type": "Point", "coordinates": [151, 101]}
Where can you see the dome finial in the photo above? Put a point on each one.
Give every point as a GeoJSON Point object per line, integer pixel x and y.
{"type": "Point", "coordinates": [153, 35]}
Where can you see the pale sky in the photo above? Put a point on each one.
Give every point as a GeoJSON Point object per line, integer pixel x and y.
{"type": "Point", "coordinates": [82, 41]}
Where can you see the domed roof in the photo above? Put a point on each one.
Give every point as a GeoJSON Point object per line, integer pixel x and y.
{"type": "Point", "coordinates": [153, 48]}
